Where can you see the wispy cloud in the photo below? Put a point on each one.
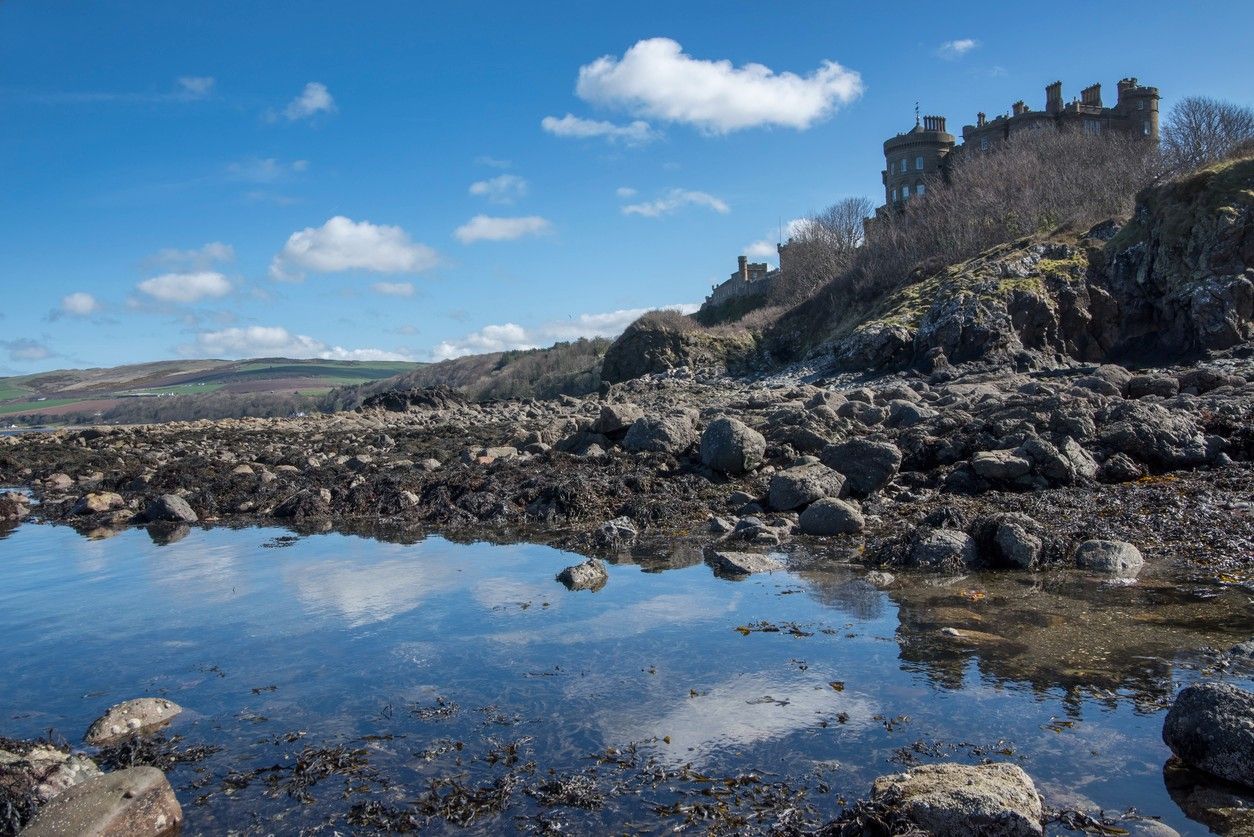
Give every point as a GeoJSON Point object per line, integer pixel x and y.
{"type": "Point", "coordinates": [185, 288]}
{"type": "Point", "coordinates": [656, 79]}
{"type": "Point", "coordinates": [955, 49]}
{"type": "Point", "coordinates": [489, 228]}
{"type": "Point", "coordinates": [275, 341]}
{"type": "Point", "coordinates": [576, 127]}
{"type": "Point", "coordinates": [78, 304]}
{"type": "Point", "coordinates": [504, 188]}
{"type": "Point", "coordinates": [674, 200]}
{"type": "Point", "coordinates": [314, 100]}
{"type": "Point", "coordinates": [197, 258]}
{"type": "Point", "coordinates": [25, 349]}
{"type": "Point", "coordinates": [265, 169]}
{"type": "Point", "coordinates": [393, 288]}
{"type": "Point", "coordinates": [186, 89]}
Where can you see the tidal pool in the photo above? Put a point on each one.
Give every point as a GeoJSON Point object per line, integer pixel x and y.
{"type": "Point", "coordinates": [333, 682]}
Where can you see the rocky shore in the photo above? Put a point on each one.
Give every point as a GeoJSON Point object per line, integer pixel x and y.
{"type": "Point", "coordinates": [1100, 468]}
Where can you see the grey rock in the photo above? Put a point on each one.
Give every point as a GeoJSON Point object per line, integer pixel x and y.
{"type": "Point", "coordinates": [131, 717]}
{"type": "Point", "coordinates": [590, 575]}
{"type": "Point", "coordinates": [1162, 386]}
{"type": "Point", "coordinates": [879, 578]}
{"type": "Point", "coordinates": [619, 532]}
{"type": "Point", "coordinates": [1120, 468]}
{"type": "Point", "coordinates": [1114, 557]}
{"type": "Point", "coordinates": [868, 466]}
{"type": "Point", "coordinates": [13, 506]}
{"type": "Point", "coordinates": [742, 563]}
{"type": "Point", "coordinates": [831, 516]}
{"type": "Point", "coordinates": [616, 418]}
{"type": "Point", "coordinates": [97, 503]}
{"type": "Point", "coordinates": [1000, 465]}
{"type": "Point", "coordinates": [942, 550]}
{"type": "Point", "coordinates": [731, 446]}
{"type": "Point", "coordinates": [958, 800]}
{"type": "Point", "coordinates": [666, 434]}
{"type": "Point", "coordinates": [171, 508]}
{"type": "Point", "coordinates": [1210, 726]}
{"type": "Point", "coordinates": [136, 802]}
{"type": "Point", "coordinates": [795, 487]}
{"type": "Point", "coordinates": [1015, 544]}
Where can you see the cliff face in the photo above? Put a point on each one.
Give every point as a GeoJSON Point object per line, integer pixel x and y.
{"type": "Point", "coordinates": [1174, 281]}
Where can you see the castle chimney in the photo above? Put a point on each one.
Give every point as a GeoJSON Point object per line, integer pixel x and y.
{"type": "Point", "coordinates": [1092, 95]}
{"type": "Point", "coordinates": [1053, 97]}
{"type": "Point", "coordinates": [743, 262]}
{"type": "Point", "coordinates": [1126, 85]}
{"type": "Point", "coordinates": [1018, 107]}
{"type": "Point", "coordinates": [940, 123]}
{"type": "Point", "coordinates": [981, 119]}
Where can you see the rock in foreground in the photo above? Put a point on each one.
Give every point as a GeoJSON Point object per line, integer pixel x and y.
{"type": "Point", "coordinates": [590, 575]}
{"type": "Point", "coordinates": [137, 802]}
{"type": "Point", "coordinates": [956, 800]}
{"type": "Point", "coordinates": [129, 718]}
{"type": "Point", "coordinates": [1211, 727]}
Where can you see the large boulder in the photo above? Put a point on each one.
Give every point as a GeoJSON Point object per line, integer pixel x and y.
{"type": "Point", "coordinates": [13, 506]}
{"type": "Point", "coordinates": [590, 575]}
{"type": "Point", "coordinates": [831, 516]}
{"type": "Point", "coordinates": [958, 800]}
{"type": "Point", "coordinates": [664, 434]}
{"type": "Point", "coordinates": [941, 550]}
{"type": "Point", "coordinates": [867, 465]}
{"type": "Point", "coordinates": [735, 564]}
{"type": "Point", "coordinates": [97, 502]}
{"type": "Point", "coordinates": [731, 446]}
{"type": "Point", "coordinates": [616, 418]}
{"type": "Point", "coordinates": [129, 718]}
{"type": "Point", "coordinates": [137, 802]}
{"type": "Point", "coordinates": [800, 485]}
{"type": "Point", "coordinates": [1211, 727]}
{"type": "Point", "coordinates": [1114, 557]}
{"type": "Point", "coordinates": [169, 508]}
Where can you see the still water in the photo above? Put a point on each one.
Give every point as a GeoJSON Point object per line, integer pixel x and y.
{"type": "Point", "coordinates": [467, 688]}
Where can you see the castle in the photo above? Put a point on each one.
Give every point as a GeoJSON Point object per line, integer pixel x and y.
{"type": "Point", "coordinates": [924, 154]}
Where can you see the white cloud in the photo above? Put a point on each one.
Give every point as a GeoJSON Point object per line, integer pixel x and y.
{"type": "Point", "coordinates": [79, 304]}
{"type": "Point", "coordinates": [313, 100]}
{"type": "Point", "coordinates": [625, 192]}
{"type": "Point", "coordinates": [276, 341]}
{"type": "Point", "coordinates": [198, 258]}
{"type": "Point", "coordinates": [393, 288]}
{"type": "Point", "coordinates": [955, 49]}
{"type": "Point", "coordinates": [492, 162]}
{"type": "Point", "coordinates": [760, 250]}
{"type": "Point", "coordinates": [674, 200]}
{"type": "Point", "coordinates": [264, 169]}
{"type": "Point", "coordinates": [575, 127]}
{"type": "Point", "coordinates": [506, 336]}
{"type": "Point", "coordinates": [24, 348]}
{"type": "Point", "coordinates": [504, 188]}
{"type": "Point", "coordinates": [488, 228]}
{"type": "Point", "coordinates": [656, 79]}
{"type": "Point", "coordinates": [196, 87]}
{"type": "Point", "coordinates": [344, 244]}
{"type": "Point", "coordinates": [186, 287]}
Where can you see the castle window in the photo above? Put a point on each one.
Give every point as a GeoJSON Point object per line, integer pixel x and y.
{"type": "Point", "coordinates": [984, 143]}
{"type": "Point", "coordinates": [918, 163]}
{"type": "Point", "coordinates": [905, 192]}
{"type": "Point", "coordinates": [1145, 128]}
{"type": "Point", "coordinates": [903, 164]}
{"type": "Point", "coordinates": [1140, 104]}
{"type": "Point", "coordinates": [918, 189]}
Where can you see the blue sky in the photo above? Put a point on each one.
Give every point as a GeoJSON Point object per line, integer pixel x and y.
{"type": "Point", "coordinates": [420, 180]}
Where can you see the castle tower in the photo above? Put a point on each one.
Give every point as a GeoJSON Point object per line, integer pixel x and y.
{"type": "Point", "coordinates": [1139, 106]}
{"type": "Point", "coordinates": [915, 158]}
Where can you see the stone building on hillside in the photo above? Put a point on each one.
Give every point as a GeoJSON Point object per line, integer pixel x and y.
{"type": "Point", "coordinates": [924, 154]}
{"type": "Point", "coordinates": [750, 279]}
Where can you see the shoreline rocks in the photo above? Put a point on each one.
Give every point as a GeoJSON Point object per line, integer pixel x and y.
{"type": "Point", "coordinates": [131, 717]}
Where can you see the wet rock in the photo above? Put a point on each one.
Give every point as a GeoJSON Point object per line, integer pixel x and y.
{"type": "Point", "coordinates": [942, 550]}
{"type": "Point", "coordinates": [59, 482]}
{"type": "Point", "coordinates": [1151, 433]}
{"type": "Point", "coordinates": [794, 487]}
{"type": "Point", "coordinates": [169, 508]}
{"type": "Point", "coordinates": [1061, 465]}
{"type": "Point", "coordinates": [1115, 557]}
{"type": "Point", "coordinates": [1210, 726]}
{"type": "Point", "coordinates": [831, 516]}
{"type": "Point", "coordinates": [732, 447]}
{"type": "Point", "coordinates": [880, 579]}
{"type": "Point", "coordinates": [867, 465]}
{"type": "Point", "coordinates": [742, 563]}
{"type": "Point", "coordinates": [1224, 807]}
{"type": "Point", "coordinates": [97, 503]}
{"type": "Point", "coordinates": [41, 772]}
{"type": "Point", "coordinates": [590, 575]}
{"type": "Point", "coordinates": [616, 533]}
{"type": "Point", "coordinates": [1014, 542]}
{"type": "Point", "coordinates": [305, 504]}
{"type": "Point", "coordinates": [129, 718]}
{"type": "Point", "coordinates": [137, 802]}
{"type": "Point", "coordinates": [957, 800]}
{"type": "Point", "coordinates": [13, 506]}
{"type": "Point", "coordinates": [1000, 465]}
{"type": "Point", "coordinates": [667, 434]}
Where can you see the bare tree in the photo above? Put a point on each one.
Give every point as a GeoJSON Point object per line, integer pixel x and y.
{"type": "Point", "coordinates": [821, 247]}
{"type": "Point", "coordinates": [1201, 130]}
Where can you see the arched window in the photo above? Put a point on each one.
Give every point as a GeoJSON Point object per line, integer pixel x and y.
{"type": "Point", "coordinates": [905, 191]}
{"type": "Point", "coordinates": [919, 189]}
{"type": "Point", "coordinates": [918, 163]}
{"type": "Point", "coordinates": [903, 164]}
{"type": "Point", "coordinates": [894, 196]}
